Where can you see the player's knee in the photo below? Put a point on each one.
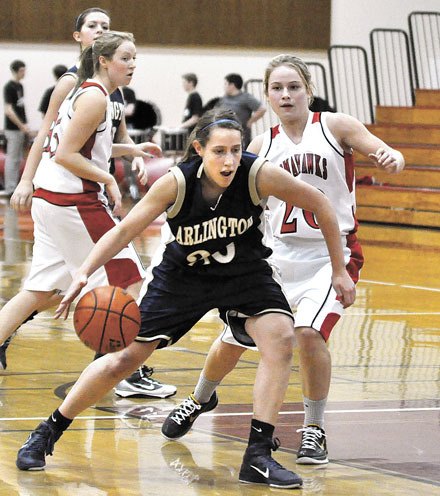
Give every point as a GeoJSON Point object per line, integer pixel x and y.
{"type": "Point", "coordinates": [121, 364]}
{"type": "Point", "coordinates": [309, 339]}
{"type": "Point", "coordinates": [280, 344]}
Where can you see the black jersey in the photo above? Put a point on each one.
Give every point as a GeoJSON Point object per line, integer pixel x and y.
{"type": "Point", "coordinates": [222, 240]}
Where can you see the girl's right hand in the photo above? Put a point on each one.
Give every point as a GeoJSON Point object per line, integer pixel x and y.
{"type": "Point", "coordinates": [72, 292]}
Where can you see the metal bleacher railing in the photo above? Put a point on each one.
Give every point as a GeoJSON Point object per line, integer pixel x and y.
{"type": "Point", "coordinates": [424, 33]}
{"type": "Point", "coordinates": [351, 81]}
{"type": "Point", "coordinates": [255, 88]}
{"type": "Point", "coordinates": [399, 65]}
{"type": "Point", "coordinates": [392, 71]}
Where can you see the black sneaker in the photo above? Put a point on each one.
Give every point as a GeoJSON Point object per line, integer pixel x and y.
{"type": "Point", "coordinates": [181, 419]}
{"type": "Point", "coordinates": [141, 384]}
{"type": "Point", "coordinates": [259, 467]}
{"type": "Point", "coordinates": [3, 349]}
{"type": "Point", "coordinates": [313, 449]}
{"type": "Point", "coordinates": [31, 456]}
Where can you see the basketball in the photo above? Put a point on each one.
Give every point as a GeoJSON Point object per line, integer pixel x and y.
{"type": "Point", "coordinates": [107, 319]}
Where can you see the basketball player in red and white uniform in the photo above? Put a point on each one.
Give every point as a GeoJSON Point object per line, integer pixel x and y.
{"type": "Point", "coordinates": [318, 149]}
{"type": "Point", "coordinates": [69, 208]}
{"type": "Point", "coordinates": [89, 25]}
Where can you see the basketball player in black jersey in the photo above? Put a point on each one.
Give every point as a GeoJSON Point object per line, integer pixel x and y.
{"type": "Point", "coordinates": [216, 257]}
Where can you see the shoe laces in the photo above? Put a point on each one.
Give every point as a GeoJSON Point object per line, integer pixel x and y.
{"type": "Point", "coordinates": [145, 372]}
{"type": "Point", "coordinates": [185, 409]}
{"type": "Point", "coordinates": [311, 437]}
{"type": "Point", "coordinates": [43, 440]}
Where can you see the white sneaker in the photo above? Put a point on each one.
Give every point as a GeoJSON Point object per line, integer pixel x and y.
{"type": "Point", "coordinates": [140, 383]}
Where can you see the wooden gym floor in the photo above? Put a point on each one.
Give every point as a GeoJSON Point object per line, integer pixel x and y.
{"type": "Point", "coordinates": [383, 412]}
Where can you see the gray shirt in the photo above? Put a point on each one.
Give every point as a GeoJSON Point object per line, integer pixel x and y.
{"type": "Point", "coordinates": [243, 105]}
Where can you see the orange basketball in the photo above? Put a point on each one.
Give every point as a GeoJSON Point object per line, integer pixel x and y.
{"type": "Point", "coordinates": [107, 319]}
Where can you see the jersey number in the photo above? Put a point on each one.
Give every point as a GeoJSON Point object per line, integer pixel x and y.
{"type": "Point", "coordinates": [289, 224]}
{"type": "Point", "coordinates": [205, 256]}
{"type": "Point", "coordinates": [52, 140]}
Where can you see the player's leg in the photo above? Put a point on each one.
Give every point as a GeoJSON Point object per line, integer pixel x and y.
{"type": "Point", "coordinates": [86, 226]}
{"type": "Point", "coordinates": [142, 383]}
{"type": "Point", "coordinates": [271, 381]}
{"type": "Point", "coordinates": [318, 311]}
{"type": "Point", "coordinates": [48, 274]}
{"type": "Point", "coordinates": [21, 309]}
{"type": "Point", "coordinates": [315, 373]}
{"type": "Point", "coordinates": [96, 380]}
{"type": "Point", "coordinates": [222, 358]}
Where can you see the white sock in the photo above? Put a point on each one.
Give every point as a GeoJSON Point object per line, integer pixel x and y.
{"type": "Point", "coordinates": [204, 389]}
{"type": "Point", "coordinates": [314, 412]}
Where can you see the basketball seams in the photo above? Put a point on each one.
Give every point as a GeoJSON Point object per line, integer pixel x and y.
{"type": "Point", "coordinates": [104, 329]}
{"type": "Point", "coordinates": [107, 319]}
{"type": "Point", "coordinates": [92, 313]}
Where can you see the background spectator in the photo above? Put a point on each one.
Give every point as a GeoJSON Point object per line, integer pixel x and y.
{"type": "Point", "coordinates": [57, 72]}
{"type": "Point", "coordinates": [193, 106]}
{"type": "Point", "coordinates": [247, 107]}
{"type": "Point", "coordinates": [16, 126]}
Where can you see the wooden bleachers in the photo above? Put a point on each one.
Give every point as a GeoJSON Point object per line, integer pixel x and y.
{"type": "Point", "coordinates": [413, 197]}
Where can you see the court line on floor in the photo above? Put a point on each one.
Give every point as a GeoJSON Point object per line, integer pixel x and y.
{"type": "Point", "coordinates": [240, 414]}
{"type": "Point", "coordinates": [407, 286]}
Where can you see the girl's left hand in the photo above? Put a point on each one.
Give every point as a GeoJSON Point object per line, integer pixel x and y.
{"type": "Point", "coordinates": [345, 288]}
{"type": "Point", "coordinates": [388, 160]}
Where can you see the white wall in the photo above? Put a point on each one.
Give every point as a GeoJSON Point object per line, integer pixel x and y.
{"type": "Point", "coordinates": [352, 20]}
{"type": "Point", "coordinates": [157, 77]}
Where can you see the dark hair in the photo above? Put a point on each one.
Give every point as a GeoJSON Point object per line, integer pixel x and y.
{"type": "Point", "coordinates": [16, 65]}
{"type": "Point", "coordinates": [106, 45]}
{"type": "Point", "coordinates": [235, 79]}
{"type": "Point", "coordinates": [81, 19]}
{"type": "Point", "coordinates": [59, 70]}
{"type": "Point", "coordinates": [191, 78]}
{"type": "Point", "coordinates": [210, 120]}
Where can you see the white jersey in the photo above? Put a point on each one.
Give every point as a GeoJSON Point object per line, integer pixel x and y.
{"type": "Point", "coordinates": [320, 161]}
{"type": "Point", "coordinates": [56, 178]}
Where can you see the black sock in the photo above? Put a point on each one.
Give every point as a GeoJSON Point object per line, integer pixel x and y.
{"type": "Point", "coordinates": [259, 431]}
{"type": "Point", "coordinates": [98, 355]}
{"type": "Point", "coordinates": [58, 421]}
{"type": "Point", "coordinates": [31, 316]}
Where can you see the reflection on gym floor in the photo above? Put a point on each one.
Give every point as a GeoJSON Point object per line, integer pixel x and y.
{"type": "Point", "coordinates": [383, 414]}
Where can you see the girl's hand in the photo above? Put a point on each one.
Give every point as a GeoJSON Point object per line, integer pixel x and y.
{"type": "Point", "coordinates": [345, 288]}
{"type": "Point", "coordinates": [390, 161]}
{"type": "Point", "coordinates": [139, 165]}
{"type": "Point", "coordinates": [114, 195]}
{"type": "Point", "coordinates": [147, 150]}
{"type": "Point", "coordinates": [72, 292]}
{"type": "Point", "coordinates": [21, 199]}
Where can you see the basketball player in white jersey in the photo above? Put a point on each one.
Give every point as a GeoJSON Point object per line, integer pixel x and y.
{"type": "Point", "coordinates": [89, 25]}
{"type": "Point", "coordinates": [318, 149]}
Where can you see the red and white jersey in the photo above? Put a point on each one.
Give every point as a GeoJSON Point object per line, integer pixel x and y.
{"type": "Point", "coordinates": [54, 177]}
{"type": "Point", "coordinates": [320, 161]}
